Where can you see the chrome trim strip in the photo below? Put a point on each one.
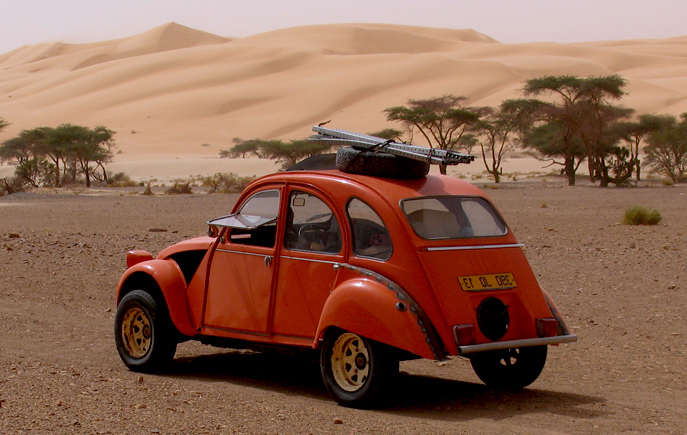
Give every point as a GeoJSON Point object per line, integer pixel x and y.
{"type": "Point", "coordinates": [245, 253]}
{"type": "Point", "coordinates": [309, 259]}
{"type": "Point", "coordinates": [464, 248]}
{"type": "Point", "coordinates": [463, 350]}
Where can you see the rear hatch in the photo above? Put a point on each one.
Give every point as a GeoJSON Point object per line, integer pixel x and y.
{"type": "Point", "coordinates": [477, 270]}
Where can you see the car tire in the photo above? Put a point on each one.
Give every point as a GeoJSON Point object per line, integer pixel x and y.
{"type": "Point", "coordinates": [144, 333]}
{"type": "Point", "coordinates": [510, 369]}
{"type": "Point", "coordinates": [379, 164]}
{"type": "Point", "coordinates": [356, 370]}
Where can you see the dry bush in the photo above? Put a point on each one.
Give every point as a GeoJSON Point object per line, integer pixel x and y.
{"type": "Point", "coordinates": [179, 188]}
{"type": "Point", "coordinates": [148, 191]}
{"type": "Point", "coordinates": [120, 179]}
{"type": "Point", "coordinates": [227, 183]}
{"type": "Point", "coordinates": [10, 185]}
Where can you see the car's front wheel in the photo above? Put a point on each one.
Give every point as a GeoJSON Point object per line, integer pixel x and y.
{"type": "Point", "coordinates": [144, 333]}
{"type": "Point", "coordinates": [355, 369]}
{"type": "Point", "coordinates": [510, 368]}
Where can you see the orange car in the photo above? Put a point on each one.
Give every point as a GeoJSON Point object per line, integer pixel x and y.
{"type": "Point", "coordinates": [366, 270]}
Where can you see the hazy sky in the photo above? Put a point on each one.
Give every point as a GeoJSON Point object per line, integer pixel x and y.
{"type": "Point", "coordinates": [25, 22]}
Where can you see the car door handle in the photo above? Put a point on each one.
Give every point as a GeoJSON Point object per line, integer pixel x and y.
{"type": "Point", "coordinates": [268, 260]}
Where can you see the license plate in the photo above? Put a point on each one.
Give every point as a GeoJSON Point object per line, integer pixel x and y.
{"type": "Point", "coordinates": [495, 281]}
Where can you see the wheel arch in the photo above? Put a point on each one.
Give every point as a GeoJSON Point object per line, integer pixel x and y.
{"type": "Point", "coordinates": [165, 282]}
{"type": "Point", "coordinates": [370, 308]}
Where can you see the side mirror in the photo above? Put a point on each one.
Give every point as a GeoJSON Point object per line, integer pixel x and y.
{"type": "Point", "coordinates": [213, 231]}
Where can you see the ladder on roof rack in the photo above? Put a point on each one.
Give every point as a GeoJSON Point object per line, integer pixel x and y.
{"type": "Point", "coordinates": [372, 143]}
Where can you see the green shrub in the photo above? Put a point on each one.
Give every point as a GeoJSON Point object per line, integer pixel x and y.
{"type": "Point", "coordinates": [638, 215]}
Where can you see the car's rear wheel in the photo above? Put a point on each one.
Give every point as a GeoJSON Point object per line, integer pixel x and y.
{"type": "Point", "coordinates": [510, 368]}
{"type": "Point", "coordinates": [356, 369]}
{"type": "Point", "coordinates": [144, 333]}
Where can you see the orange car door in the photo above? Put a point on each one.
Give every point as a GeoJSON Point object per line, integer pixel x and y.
{"type": "Point", "coordinates": [312, 245]}
{"type": "Point", "coordinates": [242, 268]}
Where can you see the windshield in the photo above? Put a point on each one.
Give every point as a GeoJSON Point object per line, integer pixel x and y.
{"type": "Point", "coordinates": [453, 217]}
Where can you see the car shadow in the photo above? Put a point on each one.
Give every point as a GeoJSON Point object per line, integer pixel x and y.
{"type": "Point", "coordinates": [410, 395]}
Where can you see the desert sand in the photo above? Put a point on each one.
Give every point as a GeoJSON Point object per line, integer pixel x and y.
{"type": "Point", "coordinates": [176, 94]}
{"type": "Point", "coordinates": [621, 288]}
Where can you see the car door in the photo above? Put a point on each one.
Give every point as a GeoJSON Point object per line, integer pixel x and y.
{"type": "Point", "coordinates": [242, 270]}
{"type": "Point", "coordinates": [313, 245]}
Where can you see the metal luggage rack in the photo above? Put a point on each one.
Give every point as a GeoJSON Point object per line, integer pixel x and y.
{"type": "Point", "coordinates": [377, 144]}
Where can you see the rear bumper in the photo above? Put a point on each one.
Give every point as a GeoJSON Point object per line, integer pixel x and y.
{"type": "Point", "coordinates": [500, 345]}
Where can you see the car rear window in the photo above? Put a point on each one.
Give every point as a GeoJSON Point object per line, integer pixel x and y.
{"type": "Point", "coordinates": [453, 217]}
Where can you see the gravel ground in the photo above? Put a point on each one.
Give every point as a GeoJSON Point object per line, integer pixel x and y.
{"type": "Point", "coordinates": [622, 289]}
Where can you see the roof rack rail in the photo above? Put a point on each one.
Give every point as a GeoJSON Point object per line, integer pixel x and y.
{"type": "Point", "coordinates": [372, 143]}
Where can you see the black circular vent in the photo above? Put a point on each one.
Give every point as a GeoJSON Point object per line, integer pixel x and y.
{"type": "Point", "coordinates": [492, 318]}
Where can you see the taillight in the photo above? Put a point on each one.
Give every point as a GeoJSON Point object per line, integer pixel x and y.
{"type": "Point", "coordinates": [547, 327]}
{"type": "Point", "coordinates": [465, 335]}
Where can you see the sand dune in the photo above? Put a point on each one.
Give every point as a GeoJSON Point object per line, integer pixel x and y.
{"type": "Point", "coordinates": [174, 91]}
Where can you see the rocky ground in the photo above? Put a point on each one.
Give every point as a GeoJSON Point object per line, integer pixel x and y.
{"type": "Point", "coordinates": [621, 287]}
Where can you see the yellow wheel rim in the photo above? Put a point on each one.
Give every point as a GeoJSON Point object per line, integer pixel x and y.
{"type": "Point", "coordinates": [136, 332]}
{"type": "Point", "coordinates": [350, 362]}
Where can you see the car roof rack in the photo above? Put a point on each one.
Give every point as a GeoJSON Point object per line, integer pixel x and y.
{"type": "Point", "coordinates": [377, 144]}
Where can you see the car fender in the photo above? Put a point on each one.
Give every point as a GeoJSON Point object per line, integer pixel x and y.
{"type": "Point", "coordinates": [171, 284]}
{"type": "Point", "coordinates": [376, 308]}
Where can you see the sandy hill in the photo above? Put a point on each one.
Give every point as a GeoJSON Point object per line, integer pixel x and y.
{"type": "Point", "coordinates": [177, 91]}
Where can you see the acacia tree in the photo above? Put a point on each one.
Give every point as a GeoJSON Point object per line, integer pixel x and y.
{"type": "Point", "coordinates": [442, 121]}
{"type": "Point", "coordinates": [18, 148]}
{"type": "Point", "coordinates": [502, 130]}
{"type": "Point", "coordinates": [40, 139]}
{"type": "Point", "coordinates": [243, 147]}
{"type": "Point", "coordinates": [388, 134]}
{"type": "Point", "coordinates": [633, 132]}
{"type": "Point", "coordinates": [75, 147]}
{"type": "Point", "coordinates": [585, 109]}
{"type": "Point", "coordinates": [286, 153]}
{"type": "Point", "coordinates": [667, 149]}
{"type": "Point", "coordinates": [552, 140]}
{"type": "Point", "coordinates": [3, 124]}
{"type": "Point", "coordinates": [86, 146]}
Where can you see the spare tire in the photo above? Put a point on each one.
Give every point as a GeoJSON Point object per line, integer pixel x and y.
{"type": "Point", "coordinates": [379, 164]}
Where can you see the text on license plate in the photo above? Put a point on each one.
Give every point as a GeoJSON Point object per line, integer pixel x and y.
{"type": "Point", "coordinates": [495, 281]}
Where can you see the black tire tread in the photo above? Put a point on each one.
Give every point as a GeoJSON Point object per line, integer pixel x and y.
{"type": "Point", "coordinates": [164, 343]}
{"type": "Point", "coordinates": [384, 369]}
{"type": "Point", "coordinates": [526, 370]}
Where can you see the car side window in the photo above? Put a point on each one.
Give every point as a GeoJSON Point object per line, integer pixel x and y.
{"type": "Point", "coordinates": [311, 225]}
{"type": "Point", "coordinates": [370, 235]}
{"type": "Point", "coordinates": [259, 216]}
